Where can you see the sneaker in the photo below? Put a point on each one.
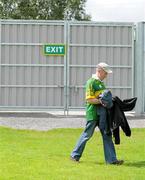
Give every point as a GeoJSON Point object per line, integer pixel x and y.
{"type": "Point", "coordinates": [118, 162]}
{"type": "Point", "coordinates": [73, 159]}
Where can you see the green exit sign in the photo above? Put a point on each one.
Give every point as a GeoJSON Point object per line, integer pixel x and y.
{"type": "Point", "coordinates": [54, 49]}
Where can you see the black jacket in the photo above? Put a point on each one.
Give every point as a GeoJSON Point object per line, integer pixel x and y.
{"type": "Point", "coordinates": [117, 117]}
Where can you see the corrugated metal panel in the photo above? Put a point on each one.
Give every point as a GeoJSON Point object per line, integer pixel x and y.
{"type": "Point", "coordinates": [92, 43]}
{"type": "Point", "coordinates": [29, 78]}
{"type": "Point", "coordinates": [139, 67]}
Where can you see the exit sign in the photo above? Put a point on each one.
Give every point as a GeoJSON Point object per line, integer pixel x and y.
{"type": "Point", "coordinates": [54, 49]}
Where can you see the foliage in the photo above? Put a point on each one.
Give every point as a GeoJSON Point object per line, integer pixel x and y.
{"type": "Point", "coordinates": [43, 9]}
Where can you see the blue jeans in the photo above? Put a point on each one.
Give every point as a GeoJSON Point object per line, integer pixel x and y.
{"type": "Point", "coordinates": [109, 149]}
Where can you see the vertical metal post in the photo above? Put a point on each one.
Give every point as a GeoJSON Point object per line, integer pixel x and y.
{"type": "Point", "coordinates": [65, 67]}
{"type": "Point", "coordinates": [68, 68]}
{"type": "Point", "coordinates": [133, 56]}
{"type": "Point", "coordinates": [139, 84]}
{"type": "Point", "coordinates": [0, 55]}
{"type": "Point", "coordinates": [144, 68]}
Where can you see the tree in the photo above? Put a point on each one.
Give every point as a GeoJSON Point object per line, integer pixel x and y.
{"type": "Point", "coordinates": [44, 9]}
{"type": "Point", "coordinates": [7, 8]}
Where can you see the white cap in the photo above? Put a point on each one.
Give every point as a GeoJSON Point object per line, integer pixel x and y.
{"type": "Point", "coordinates": [105, 67]}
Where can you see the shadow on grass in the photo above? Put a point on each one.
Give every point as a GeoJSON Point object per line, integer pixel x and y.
{"type": "Point", "coordinates": [137, 164]}
{"type": "Point", "coordinates": [89, 162]}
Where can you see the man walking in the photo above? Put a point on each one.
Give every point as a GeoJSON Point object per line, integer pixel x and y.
{"type": "Point", "coordinates": [94, 87]}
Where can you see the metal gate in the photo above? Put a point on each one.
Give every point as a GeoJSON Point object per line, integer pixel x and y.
{"type": "Point", "coordinates": [90, 43]}
{"type": "Point", "coordinates": [30, 80]}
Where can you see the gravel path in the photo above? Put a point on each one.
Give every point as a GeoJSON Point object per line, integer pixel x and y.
{"type": "Point", "coordinates": [44, 122]}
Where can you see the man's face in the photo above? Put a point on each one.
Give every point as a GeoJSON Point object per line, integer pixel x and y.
{"type": "Point", "coordinates": [103, 74]}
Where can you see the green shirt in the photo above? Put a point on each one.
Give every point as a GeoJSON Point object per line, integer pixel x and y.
{"type": "Point", "coordinates": [94, 87]}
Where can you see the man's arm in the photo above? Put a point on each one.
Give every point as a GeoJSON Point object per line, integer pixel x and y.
{"type": "Point", "coordinates": [94, 101]}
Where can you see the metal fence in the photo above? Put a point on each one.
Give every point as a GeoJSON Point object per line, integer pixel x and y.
{"type": "Point", "coordinates": [140, 68]}
{"type": "Point", "coordinates": [90, 43]}
{"type": "Point", "coordinates": [30, 80]}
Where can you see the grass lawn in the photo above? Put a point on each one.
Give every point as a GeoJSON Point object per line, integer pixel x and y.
{"type": "Point", "coordinates": [33, 155]}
